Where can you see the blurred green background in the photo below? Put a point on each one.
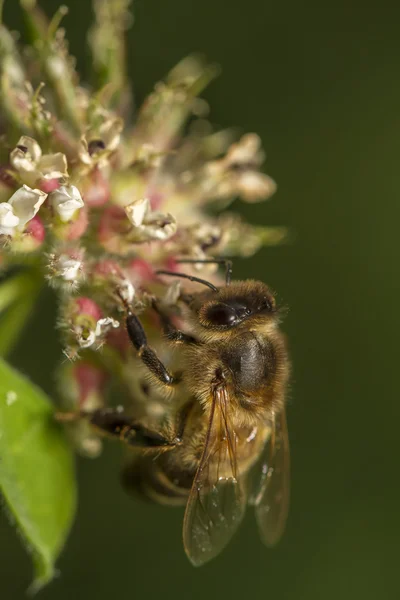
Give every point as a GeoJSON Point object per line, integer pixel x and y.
{"type": "Point", "coordinates": [320, 82]}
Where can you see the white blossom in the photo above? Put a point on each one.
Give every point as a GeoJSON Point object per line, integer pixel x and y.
{"type": "Point", "coordinates": [108, 136]}
{"type": "Point", "coordinates": [148, 225]}
{"type": "Point", "coordinates": [246, 151]}
{"type": "Point", "coordinates": [66, 200]}
{"type": "Point", "coordinates": [172, 294]}
{"type": "Point", "coordinates": [20, 209]}
{"type": "Point", "coordinates": [87, 338]}
{"type": "Point", "coordinates": [8, 220]}
{"type": "Point", "coordinates": [137, 210]}
{"type": "Point", "coordinates": [32, 165]}
{"type": "Point", "coordinates": [110, 133]}
{"type": "Point", "coordinates": [69, 268]}
{"type": "Point", "coordinates": [254, 186]}
{"type": "Point", "coordinates": [126, 290]}
{"type": "Point", "coordinates": [103, 325]}
{"type": "Point", "coordinates": [25, 203]}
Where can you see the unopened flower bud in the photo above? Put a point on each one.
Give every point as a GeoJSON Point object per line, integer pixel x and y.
{"type": "Point", "coordinates": [254, 186]}
{"type": "Point", "coordinates": [82, 387]}
{"type": "Point", "coordinates": [97, 189]}
{"type": "Point", "coordinates": [32, 238]}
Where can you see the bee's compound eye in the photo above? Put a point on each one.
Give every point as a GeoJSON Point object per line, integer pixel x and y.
{"type": "Point", "coordinates": [221, 314]}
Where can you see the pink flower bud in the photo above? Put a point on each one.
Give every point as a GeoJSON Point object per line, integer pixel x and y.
{"type": "Point", "coordinates": [140, 271]}
{"type": "Point", "coordinates": [6, 177]}
{"type": "Point", "coordinates": [97, 189]}
{"type": "Point", "coordinates": [84, 306]}
{"type": "Point", "coordinates": [113, 225]}
{"type": "Point", "coordinates": [35, 229]}
{"type": "Point", "coordinates": [76, 229]}
{"type": "Point", "coordinates": [48, 185]}
{"type": "Point", "coordinates": [119, 340]}
{"type": "Point", "coordinates": [91, 382]}
{"type": "Point", "coordinates": [105, 268]}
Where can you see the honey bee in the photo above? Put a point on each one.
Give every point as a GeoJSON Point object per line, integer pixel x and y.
{"type": "Point", "coordinates": [225, 444]}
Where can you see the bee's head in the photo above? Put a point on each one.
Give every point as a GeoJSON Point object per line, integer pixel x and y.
{"type": "Point", "coordinates": [250, 302]}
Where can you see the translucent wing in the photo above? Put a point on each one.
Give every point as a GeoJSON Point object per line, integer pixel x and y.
{"type": "Point", "coordinates": [217, 500]}
{"type": "Point", "coordinates": [270, 482]}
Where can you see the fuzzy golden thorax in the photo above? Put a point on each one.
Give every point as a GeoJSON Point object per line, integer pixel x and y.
{"type": "Point", "coordinates": [240, 340]}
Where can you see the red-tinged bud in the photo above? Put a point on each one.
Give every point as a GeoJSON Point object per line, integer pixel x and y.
{"type": "Point", "coordinates": [76, 229]}
{"type": "Point", "coordinates": [82, 386]}
{"type": "Point", "coordinates": [97, 189]}
{"type": "Point", "coordinates": [84, 306]}
{"type": "Point", "coordinates": [156, 199]}
{"type": "Point", "coordinates": [140, 271]}
{"type": "Point", "coordinates": [36, 230]}
{"type": "Point", "coordinates": [171, 264]}
{"type": "Point", "coordinates": [7, 178]}
{"type": "Point", "coordinates": [112, 227]}
{"type": "Point", "coordinates": [31, 239]}
{"type": "Point", "coordinates": [106, 268]}
{"type": "Point", "coordinates": [109, 277]}
{"type": "Point", "coordinates": [91, 383]}
{"type": "Point", "coordinates": [48, 185]}
{"type": "Point", "coordinates": [119, 340]}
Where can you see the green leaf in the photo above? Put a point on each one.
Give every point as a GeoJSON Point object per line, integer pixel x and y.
{"type": "Point", "coordinates": [18, 294]}
{"type": "Point", "coordinates": [36, 470]}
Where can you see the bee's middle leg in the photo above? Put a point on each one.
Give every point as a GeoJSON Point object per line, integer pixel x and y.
{"type": "Point", "coordinates": [113, 422]}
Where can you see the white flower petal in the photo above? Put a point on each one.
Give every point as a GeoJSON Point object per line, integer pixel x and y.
{"type": "Point", "coordinates": [137, 210]}
{"type": "Point", "coordinates": [104, 324]}
{"type": "Point", "coordinates": [22, 162]}
{"type": "Point", "coordinates": [26, 203]}
{"type": "Point", "coordinates": [69, 268]}
{"type": "Point", "coordinates": [8, 220]}
{"type": "Point", "coordinates": [126, 290]}
{"type": "Point", "coordinates": [254, 186]}
{"type": "Point", "coordinates": [86, 339]}
{"type": "Point", "coordinates": [158, 226]}
{"type": "Point", "coordinates": [33, 148]}
{"type": "Point", "coordinates": [110, 133]}
{"type": "Point", "coordinates": [66, 201]}
{"type": "Point", "coordinates": [53, 166]}
{"type": "Point", "coordinates": [172, 294]}
{"type": "Point", "coordinates": [246, 150]}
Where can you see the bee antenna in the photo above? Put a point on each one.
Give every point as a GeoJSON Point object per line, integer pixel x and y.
{"type": "Point", "coordinates": [190, 277]}
{"type": "Point", "coordinates": [226, 262]}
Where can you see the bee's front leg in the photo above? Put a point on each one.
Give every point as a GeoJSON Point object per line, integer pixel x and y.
{"type": "Point", "coordinates": [146, 353]}
{"type": "Point", "coordinates": [170, 331]}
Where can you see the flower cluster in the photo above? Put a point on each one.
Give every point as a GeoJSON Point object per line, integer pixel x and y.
{"type": "Point", "coordinates": [97, 202]}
